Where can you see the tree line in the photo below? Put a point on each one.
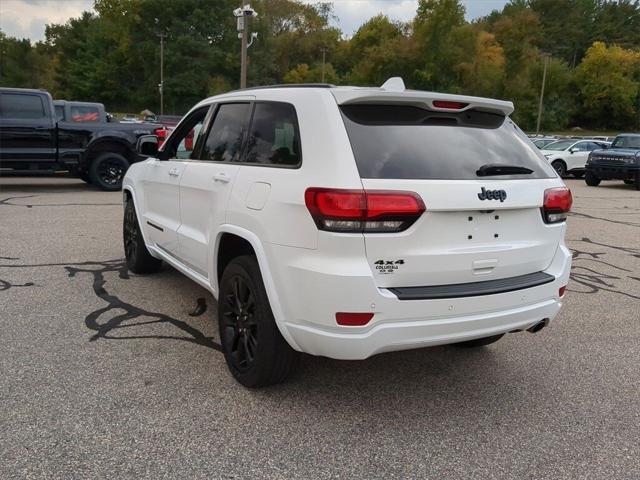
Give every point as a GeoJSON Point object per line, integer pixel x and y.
{"type": "Point", "coordinates": [112, 55]}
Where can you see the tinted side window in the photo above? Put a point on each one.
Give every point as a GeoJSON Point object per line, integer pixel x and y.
{"type": "Point", "coordinates": [59, 112]}
{"type": "Point", "coordinates": [274, 138]}
{"type": "Point", "coordinates": [17, 105]}
{"type": "Point", "coordinates": [581, 147]}
{"type": "Point", "coordinates": [224, 143]}
{"type": "Point", "coordinates": [85, 114]}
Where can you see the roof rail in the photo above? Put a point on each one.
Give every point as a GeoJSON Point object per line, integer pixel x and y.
{"type": "Point", "coordinates": [290, 85]}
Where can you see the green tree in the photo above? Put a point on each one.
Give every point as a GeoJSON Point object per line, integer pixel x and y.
{"type": "Point", "coordinates": [609, 82]}
{"type": "Point", "coordinates": [483, 71]}
{"type": "Point", "coordinates": [434, 26]}
{"type": "Point", "coordinates": [568, 27]}
{"type": "Point", "coordinates": [22, 64]}
{"type": "Point", "coordinates": [378, 50]}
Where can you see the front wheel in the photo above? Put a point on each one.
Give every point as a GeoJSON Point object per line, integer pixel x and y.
{"type": "Point", "coordinates": [591, 180]}
{"type": "Point", "coordinates": [479, 342]}
{"type": "Point", "coordinates": [256, 353]}
{"type": "Point", "coordinates": [560, 167]}
{"type": "Point", "coordinates": [107, 171]}
{"type": "Point", "coordinates": [139, 260]}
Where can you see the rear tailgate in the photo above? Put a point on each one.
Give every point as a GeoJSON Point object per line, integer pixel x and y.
{"type": "Point", "coordinates": [476, 227]}
{"type": "Point", "coordinates": [460, 238]}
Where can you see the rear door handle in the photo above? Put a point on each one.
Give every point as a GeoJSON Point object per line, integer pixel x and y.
{"type": "Point", "coordinates": [174, 172]}
{"type": "Point", "coordinates": [222, 177]}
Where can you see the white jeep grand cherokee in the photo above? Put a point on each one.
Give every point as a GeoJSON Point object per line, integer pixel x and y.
{"type": "Point", "coordinates": [346, 222]}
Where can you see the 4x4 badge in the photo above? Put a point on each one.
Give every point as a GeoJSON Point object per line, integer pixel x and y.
{"type": "Point", "coordinates": [492, 195]}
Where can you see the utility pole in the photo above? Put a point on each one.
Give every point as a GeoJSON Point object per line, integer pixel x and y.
{"type": "Point", "coordinates": [324, 58]}
{"type": "Point", "coordinates": [544, 79]}
{"type": "Point", "coordinates": [161, 84]}
{"type": "Point", "coordinates": [243, 56]}
{"type": "Point", "coordinates": [242, 14]}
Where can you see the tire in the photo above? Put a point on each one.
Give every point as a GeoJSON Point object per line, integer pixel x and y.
{"type": "Point", "coordinates": [256, 353]}
{"type": "Point", "coordinates": [107, 171]}
{"type": "Point", "coordinates": [591, 180]}
{"type": "Point", "coordinates": [139, 260]}
{"type": "Point", "coordinates": [479, 342]}
{"type": "Point", "coordinates": [560, 167]}
{"type": "Point", "coordinates": [629, 182]}
{"type": "Point", "coordinates": [636, 181]}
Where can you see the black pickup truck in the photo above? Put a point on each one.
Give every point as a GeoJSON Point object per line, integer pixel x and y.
{"type": "Point", "coordinates": [621, 161]}
{"type": "Point", "coordinates": [34, 140]}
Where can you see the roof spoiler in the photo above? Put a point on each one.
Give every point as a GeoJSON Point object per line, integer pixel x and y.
{"type": "Point", "coordinates": [394, 91]}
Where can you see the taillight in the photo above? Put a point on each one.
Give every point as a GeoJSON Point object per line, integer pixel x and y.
{"type": "Point", "coordinates": [161, 133]}
{"type": "Point", "coordinates": [363, 211]}
{"type": "Point", "coordinates": [561, 291]}
{"type": "Point", "coordinates": [557, 203]}
{"type": "Point", "coordinates": [449, 105]}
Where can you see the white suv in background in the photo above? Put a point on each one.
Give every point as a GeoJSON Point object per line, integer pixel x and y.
{"type": "Point", "coordinates": [570, 155]}
{"type": "Point", "coordinates": [346, 222]}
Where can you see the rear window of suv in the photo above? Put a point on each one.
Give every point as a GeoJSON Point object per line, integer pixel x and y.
{"type": "Point", "coordinates": [408, 142]}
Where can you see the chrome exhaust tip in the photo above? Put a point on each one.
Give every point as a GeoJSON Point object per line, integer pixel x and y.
{"type": "Point", "coordinates": [538, 326]}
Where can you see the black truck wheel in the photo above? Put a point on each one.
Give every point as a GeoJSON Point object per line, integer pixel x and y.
{"type": "Point", "coordinates": [256, 353]}
{"type": "Point", "coordinates": [139, 260]}
{"type": "Point", "coordinates": [107, 171]}
{"type": "Point", "coordinates": [591, 180]}
{"type": "Point", "coordinates": [636, 182]}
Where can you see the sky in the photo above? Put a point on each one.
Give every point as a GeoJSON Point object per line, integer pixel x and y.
{"type": "Point", "coordinates": [27, 18]}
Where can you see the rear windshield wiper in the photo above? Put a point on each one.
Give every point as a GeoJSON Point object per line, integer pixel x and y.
{"type": "Point", "coordinates": [501, 169]}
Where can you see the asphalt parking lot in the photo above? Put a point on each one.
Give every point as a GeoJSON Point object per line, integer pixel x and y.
{"type": "Point", "coordinates": [105, 374]}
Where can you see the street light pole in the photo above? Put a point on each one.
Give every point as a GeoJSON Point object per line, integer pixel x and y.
{"type": "Point", "coordinates": [324, 58]}
{"type": "Point", "coordinates": [544, 78]}
{"type": "Point", "coordinates": [243, 55]}
{"type": "Point", "coordinates": [243, 14]}
{"type": "Point", "coordinates": [161, 85]}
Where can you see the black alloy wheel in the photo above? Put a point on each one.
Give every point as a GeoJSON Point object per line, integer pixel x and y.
{"type": "Point", "coordinates": [139, 260]}
{"type": "Point", "coordinates": [255, 351]}
{"type": "Point", "coordinates": [107, 171]}
{"type": "Point", "coordinates": [130, 234]}
{"type": "Point", "coordinates": [111, 172]}
{"type": "Point", "coordinates": [239, 324]}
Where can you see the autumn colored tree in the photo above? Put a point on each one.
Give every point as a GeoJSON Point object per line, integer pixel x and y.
{"type": "Point", "coordinates": [609, 83]}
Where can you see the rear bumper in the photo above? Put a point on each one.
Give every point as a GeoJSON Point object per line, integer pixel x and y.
{"type": "Point", "coordinates": [416, 333]}
{"type": "Point", "coordinates": [315, 291]}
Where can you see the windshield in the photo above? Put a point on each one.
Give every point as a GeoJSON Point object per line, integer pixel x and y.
{"type": "Point", "coordinates": [627, 142]}
{"type": "Point", "coordinates": [560, 145]}
{"type": "Point", "coordinates": [407, 142]}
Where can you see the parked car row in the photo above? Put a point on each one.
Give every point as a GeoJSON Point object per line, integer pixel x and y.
{"type": "Point", "coordinates": [596, 158]}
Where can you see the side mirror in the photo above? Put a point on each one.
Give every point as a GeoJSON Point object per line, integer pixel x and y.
{"type": "Point", "coordinates": [147, 145]}
{"type": "Point", "coordinates": [573, 150]}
